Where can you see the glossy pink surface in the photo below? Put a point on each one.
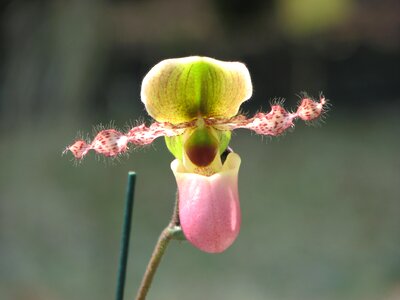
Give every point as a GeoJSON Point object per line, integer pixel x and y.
{"type": "Point", "coordinates": [209, 207]}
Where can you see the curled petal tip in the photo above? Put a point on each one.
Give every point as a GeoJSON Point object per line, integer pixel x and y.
{"type": "Point", "coordinates": [209, 209]}
{"type": "Point", "coordinates": [309, 109]}
{"type": "Point", "coordinates": [78, 149]}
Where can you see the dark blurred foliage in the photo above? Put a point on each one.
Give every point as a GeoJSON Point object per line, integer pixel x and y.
{"type": "Point", "coordinates": [230, 12]}
{"type": "Point", "coordinates": [79, 55]}
{"type": "Point", "coordinates": [320, 206]}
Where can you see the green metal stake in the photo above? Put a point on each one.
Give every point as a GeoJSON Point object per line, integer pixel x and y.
{"type": "Point", "coordinates": [126, 230]}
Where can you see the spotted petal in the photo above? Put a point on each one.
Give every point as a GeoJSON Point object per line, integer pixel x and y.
{"type": "Point", "coordinates": [111, 142]}
{"type": "Point", "coordinates": [277, 121]}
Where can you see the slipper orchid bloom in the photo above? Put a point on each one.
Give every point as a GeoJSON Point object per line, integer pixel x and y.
{"type": "Point", "coordinates": [195, 102]}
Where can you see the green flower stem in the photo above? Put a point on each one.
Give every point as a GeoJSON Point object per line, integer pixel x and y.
{"type": "Point", "coordinates": [126, 231]}
{"type": "Point", "coordinates": [172, 231]}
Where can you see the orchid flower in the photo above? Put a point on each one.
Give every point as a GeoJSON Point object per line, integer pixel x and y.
{"type": "Point", "coordinates": [195, 102]}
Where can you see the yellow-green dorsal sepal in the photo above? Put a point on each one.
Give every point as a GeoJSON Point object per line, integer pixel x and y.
{"type": "Point", "coordinates": [182, 89]}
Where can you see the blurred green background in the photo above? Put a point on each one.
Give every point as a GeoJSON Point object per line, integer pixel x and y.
{"type": "Point", "coordinates": [321, 205]}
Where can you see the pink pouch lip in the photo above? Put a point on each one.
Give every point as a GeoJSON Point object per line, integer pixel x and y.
{"type": "Point", "coordinates": [209, 208]}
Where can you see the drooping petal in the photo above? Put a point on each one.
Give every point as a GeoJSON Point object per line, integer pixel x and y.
{"type": "Point", "coordinates": [110, 142]}
{"type": "Point", "coordinates": [182, 89]}
{"type": "Point", "coordinates": [209, 209]}
{"type": "Point", "coordinates": [277, 121]}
